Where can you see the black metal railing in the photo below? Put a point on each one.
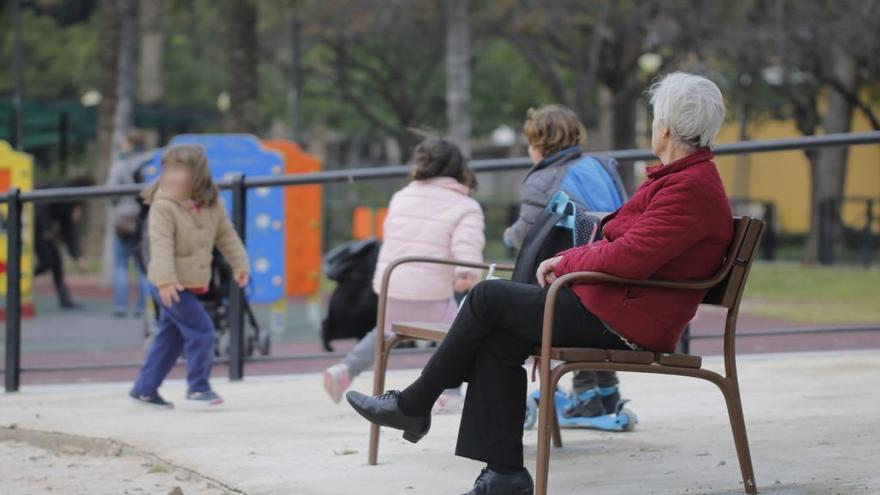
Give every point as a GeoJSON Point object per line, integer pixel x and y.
{"type": "Point", "coordinates": [239, 184]}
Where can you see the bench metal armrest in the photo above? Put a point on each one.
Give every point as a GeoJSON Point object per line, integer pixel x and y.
{"type": "Point", "coordinates": [605, 278]}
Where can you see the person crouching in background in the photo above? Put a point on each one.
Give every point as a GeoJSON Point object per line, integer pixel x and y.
{"type": "Point", "coordinates": [186, 221]}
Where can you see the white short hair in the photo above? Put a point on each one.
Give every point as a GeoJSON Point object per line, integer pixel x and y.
{"type": "Point", "coordinates": [692, 107]}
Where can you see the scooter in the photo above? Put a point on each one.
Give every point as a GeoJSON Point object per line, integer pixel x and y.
{"type": "Point", "coordinates": [622, 419]}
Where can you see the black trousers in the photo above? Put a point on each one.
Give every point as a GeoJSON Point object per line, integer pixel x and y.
{"type": "Point", "coordinates": [49, 259]}
{"type": "Point", "coordinates": [496, 330]}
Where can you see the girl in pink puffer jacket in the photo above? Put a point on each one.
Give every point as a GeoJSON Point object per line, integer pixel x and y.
{"type": "Point", "coordinates": [432, 216]}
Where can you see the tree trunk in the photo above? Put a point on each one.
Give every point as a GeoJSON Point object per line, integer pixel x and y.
{"type": "Point", "coordinates": [241, 70]}
{"type": "Point", "coordinates": [108, 67]}
{"type": "Point", "coordinates": [617, 127]}
{"type": "Point", "coordinates": [742, 163]}
{"type": "Point", "coordinates": [123, 117]}
{"type": "Point", "coordinates": [458, 83]}
{"type": "Point", "coordinates": [828, 170]}
{"type": "Point", "coordinates": [152, 18]}
{"type": "Point", "coordinates": [294, 87]}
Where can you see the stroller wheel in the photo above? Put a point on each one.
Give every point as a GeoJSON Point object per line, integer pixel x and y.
{"type": "Point", "coordinates": [223, 345]}
{"type": "Point", "coordinates": [265, 344]}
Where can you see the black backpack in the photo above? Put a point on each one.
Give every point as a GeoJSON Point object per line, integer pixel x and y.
{"type": "Point", "coordinates": [562, 225]}
{"type": "Point", "coordinates": [351, 312]}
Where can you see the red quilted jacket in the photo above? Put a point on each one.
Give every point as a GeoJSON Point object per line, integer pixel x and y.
{"type": "Point", "coordinates": [677, 226]}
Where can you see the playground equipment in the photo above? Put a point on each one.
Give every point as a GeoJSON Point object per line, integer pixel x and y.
{"type": "Point", "coordinates": [17, 170]}
{"type": "Point", "coordinates": [368, 222]}
{"type": "Point", "coordinates": [302, 222]}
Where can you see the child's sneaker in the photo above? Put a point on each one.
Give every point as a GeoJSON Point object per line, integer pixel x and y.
{"type": "Point", "coordinates": [204, 399]}
{"type": "Point", "coordinates": [610, 398]}
{"type": "Point", "coordinates": [451, 401]}
{"type": "Point", "coordinates": [336, 381]}
{"type": "Point", "coordinates": [587, 404]}
{"type": "Point", "coordinates": [151, 400]}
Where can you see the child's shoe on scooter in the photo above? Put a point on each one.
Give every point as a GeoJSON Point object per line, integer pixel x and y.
{"type": "Point", "coordinates": [610, 398]}
{"type": "Point", "coordinates": [586, 404]}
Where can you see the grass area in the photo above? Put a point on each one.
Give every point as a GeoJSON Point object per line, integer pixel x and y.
{"type": "Point", "coordinates": [814, 294]}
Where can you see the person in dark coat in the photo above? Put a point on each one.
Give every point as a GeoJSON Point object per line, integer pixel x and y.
{"type": "Point", "coordinates": [676, 227]}
{"type": "Point", "coordinates": [57, 224]}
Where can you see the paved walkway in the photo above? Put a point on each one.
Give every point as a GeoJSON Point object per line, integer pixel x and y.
{"type": "Point", "coordinates": [812, 419]}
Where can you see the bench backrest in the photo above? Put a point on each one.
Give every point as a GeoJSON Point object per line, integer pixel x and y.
{"type": "Point", "coordinates": [743, 248]}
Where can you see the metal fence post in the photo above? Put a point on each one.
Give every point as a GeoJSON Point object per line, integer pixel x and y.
{"type": "Point", "coordinates": [13, 290]}
{"type": "Point", "coordinates": [868, 237]}
{"type": "Point", "coordinates": [236, 294]}
{"type": "Point", "coordinates": [769, 242]}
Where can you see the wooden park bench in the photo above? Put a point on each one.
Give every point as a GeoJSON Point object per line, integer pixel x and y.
{"type": "Point", "coordinates": [725, 289]}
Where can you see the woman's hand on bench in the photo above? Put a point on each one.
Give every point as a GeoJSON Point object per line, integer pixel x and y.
{"type": "Point", "coordinates": [546, 273]}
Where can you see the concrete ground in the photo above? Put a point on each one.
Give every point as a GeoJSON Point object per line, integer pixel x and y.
{"type": "Point", "coordinates": [812, 421]}
{"type": "Point", "coordinates": [26, 468]}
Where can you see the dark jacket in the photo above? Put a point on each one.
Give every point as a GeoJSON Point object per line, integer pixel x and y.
{"type": "Point", "coordinates": [53, 222]}
{"type": "Point", "coordinates": [677, 226]}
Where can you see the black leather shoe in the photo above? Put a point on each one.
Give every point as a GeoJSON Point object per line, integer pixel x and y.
{"type": "Point", "coordinates": [491, 483]}
{"type": "Point", "coordinates": [384, 411]}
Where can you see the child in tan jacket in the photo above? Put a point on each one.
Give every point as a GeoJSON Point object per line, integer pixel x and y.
{"type": "Point", "coordinates": [185, 223]}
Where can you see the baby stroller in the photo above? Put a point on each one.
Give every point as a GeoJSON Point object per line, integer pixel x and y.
{"type": "Point", "coordinates": [215, 300]}
{"type": "Point", "coordinates": [216, 303]}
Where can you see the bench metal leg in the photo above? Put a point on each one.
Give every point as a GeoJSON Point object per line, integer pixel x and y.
{"type": "Point", "coordinates": [380, 367]}
{"type": "Point", "coordinates": [740, 438]}
{"type": "Point", "coordinates": [548, 427]}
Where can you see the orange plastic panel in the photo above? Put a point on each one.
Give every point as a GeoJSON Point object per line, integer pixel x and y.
{"type": "Point", "coordinates": [5, 179]}
{"type": "Point", "coordinates": [362, 223]}
{"type": "Point", "coordinates": [302, 222]}
{"type": "Point", "coordinates": [381, 213]}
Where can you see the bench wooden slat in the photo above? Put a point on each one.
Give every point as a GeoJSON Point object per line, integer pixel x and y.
{"type": "Point", "coordinates": [631, 357]}
{"type": "Point", "coordinates": [680, 360]}
{"type": "Point", "coordinates": [575, 354]}
{"type": "Point", "coordinates": [434, 332]}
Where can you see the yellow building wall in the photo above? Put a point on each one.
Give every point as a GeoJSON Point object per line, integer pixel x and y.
{"type": "Point", "coordinates": [784, 177]}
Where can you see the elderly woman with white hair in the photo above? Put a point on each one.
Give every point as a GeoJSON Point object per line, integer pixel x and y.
{"type": "Point", "coordinates": [676, 226]}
